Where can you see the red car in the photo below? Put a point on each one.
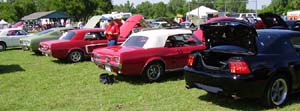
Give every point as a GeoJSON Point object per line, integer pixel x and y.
{"type": "Point", "coordinates": [149, 53]}
{"type": "Point", "coordinates": [75, 45]}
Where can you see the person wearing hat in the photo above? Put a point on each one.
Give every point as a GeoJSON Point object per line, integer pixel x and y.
{"type": "Point", "coordinates": [112, 31]}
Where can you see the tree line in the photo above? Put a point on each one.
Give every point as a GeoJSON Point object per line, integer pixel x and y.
{"type": "Point", "coordinates": [282, 6]}
{"type": "Point", "coordinates": [180, 7]}
{"type": "Point", "coordinates": [14, 10]}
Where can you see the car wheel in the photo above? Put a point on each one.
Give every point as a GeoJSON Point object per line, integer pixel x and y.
{"type": "Point", "coordinates": [277, 91]}
{"type": "Point", "coordinates": [153, 71]}
{"type": "Point", "coordinates": [75, 56]}
{"type": "Point", "coordinates": [2, 46]}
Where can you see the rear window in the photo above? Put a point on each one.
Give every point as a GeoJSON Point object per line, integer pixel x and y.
{"type": "Point", "coordinates": [67, 36]}
{"type": "Point", "coordinates": [136, 41]}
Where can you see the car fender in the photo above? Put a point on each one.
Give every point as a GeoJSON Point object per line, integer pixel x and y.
{"type": "Point", "coordinates": [3, 42]}
{"type": "Point", "coordinates": [151, 60]}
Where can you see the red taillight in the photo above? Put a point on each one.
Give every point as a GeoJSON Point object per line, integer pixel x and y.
{"type": "Point", "coordinates": [191, 60]}
{"type": "Point", "coordinates": [239, 67]}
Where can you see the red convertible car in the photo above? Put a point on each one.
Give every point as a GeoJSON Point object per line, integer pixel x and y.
{"type": "Point", "coordinates": [149, 53]}
{"type": "Point", "coordinates": [75, 45]}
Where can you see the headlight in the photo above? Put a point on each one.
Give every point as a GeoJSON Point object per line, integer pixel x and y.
{"type": "Point", "coordinates": [117, 59]}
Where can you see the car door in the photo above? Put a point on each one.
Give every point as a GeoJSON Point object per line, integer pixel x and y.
{"type": "Point", "coordinates": [170, 54]}
{"type": "Point", "coordinates": [94, 40]}
{"type": "Point", "coordinates": [184, 47]}
{"type": "Point", "coordinates": [295, 62]}
{"type": "Point", "coordinates": [15, 36]}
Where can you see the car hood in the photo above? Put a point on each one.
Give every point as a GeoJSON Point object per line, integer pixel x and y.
{"type": "Point", "coordinates": [271, 20]}
{"type": "Point", "coordinates": [130, 23]}
{"type": "Point", "coordinates": [230, 33]}
{"type": "Point", "coordinates": [115, 50]}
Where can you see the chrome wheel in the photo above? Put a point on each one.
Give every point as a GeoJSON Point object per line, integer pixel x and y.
{"type": "Point", "coordinates": [279, 91]}
{"type": "Point", "coordinates": [153, 71]}
{"type": "Point", "coordinates": [75, 56]}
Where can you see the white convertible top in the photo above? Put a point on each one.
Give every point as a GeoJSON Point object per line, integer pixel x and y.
{"type": "Point", "coordinates": [157, 38]}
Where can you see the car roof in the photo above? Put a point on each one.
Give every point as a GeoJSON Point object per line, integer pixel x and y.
{"type": "Point", "coordinates": [280, 32]}
{"type": "Point", "coordinates": [272, 40]}
{"type": "Point", "coordinates": [87, 29]}
{"type": "Point", "coordinates": [157, 38]}
{"type": "Point", "coordinates": [162, 32]}
{"type": "Point", "coordinates": [11, 29]}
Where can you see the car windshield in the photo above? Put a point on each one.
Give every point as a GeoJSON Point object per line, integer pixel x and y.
{"type": "Point", "coordinates": [45, 32]}
{"type": "Point", "coordinates": [137, 41]}
{"type": "Point", "coordinates": [67, 36]}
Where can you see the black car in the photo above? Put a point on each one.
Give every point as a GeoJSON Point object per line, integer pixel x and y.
{"type": "Point", "coordinates": [242, 62]}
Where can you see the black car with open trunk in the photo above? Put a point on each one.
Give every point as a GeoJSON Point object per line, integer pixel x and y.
{"type": "Point", "coordinates": [242, 62]}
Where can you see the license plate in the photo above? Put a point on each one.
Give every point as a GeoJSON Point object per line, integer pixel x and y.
{"type": "Point", "coordinates": [107, 68]}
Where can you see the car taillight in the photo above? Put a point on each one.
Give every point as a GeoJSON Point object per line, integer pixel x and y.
{"type": "Point", "coordinates": [191, 60]}
{"type": "Point", "coordinates": [239, 67]}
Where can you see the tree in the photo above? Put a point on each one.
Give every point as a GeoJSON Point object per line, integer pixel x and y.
{"type": "Point", "coordinates": [7, 13]}
{"type": "Point", "coordinates": [145, 9]}
{"type": "Point", "coordinates": [159, 10]}
{"type": "Point", "coordinates": [23, 7]}
{"type": "Point", "coordinates": [176, 6]}
{"type": "Point", "coordinates": [127, 7]}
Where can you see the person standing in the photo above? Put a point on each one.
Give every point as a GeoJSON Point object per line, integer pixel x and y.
{"type": "Point", "coordinates": [112, 31]}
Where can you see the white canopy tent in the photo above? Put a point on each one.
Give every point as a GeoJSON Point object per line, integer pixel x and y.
{"type": "Point", "coordinates": [200, 14]}
{"type": "Point", "coordinates": [3, 22]}
{"type": "Point", "coordinates": [202, 11]}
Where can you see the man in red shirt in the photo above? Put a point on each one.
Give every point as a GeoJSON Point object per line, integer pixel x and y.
{"type": "Point", "coordinates": [112, 31]}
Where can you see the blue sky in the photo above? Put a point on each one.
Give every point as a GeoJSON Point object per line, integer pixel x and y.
{"type": "Point", "coordinates": [251, 3]}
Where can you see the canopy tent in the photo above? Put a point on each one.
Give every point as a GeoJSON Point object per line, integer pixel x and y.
{"type": "Point", "coordinates": [202, 11]}
{"type": "Point", "coordinates": [199, 15]}
{"type": "Point", "coordinates": [3, 22]}
{"type": "Point", "coordinates": [49, 14]}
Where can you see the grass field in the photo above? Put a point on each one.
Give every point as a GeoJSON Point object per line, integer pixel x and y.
{"type": "Point", "coordinates": [37, 83]}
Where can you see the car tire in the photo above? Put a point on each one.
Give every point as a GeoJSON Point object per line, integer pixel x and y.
{"type": "Point", "coordinates": [153, 71]}
{"type": "Point", "coordinates": [75, 56]}
{"type": "Point", "coordinates": [2, 46]}
{"type": "Point", "coordinates": [277, 91]}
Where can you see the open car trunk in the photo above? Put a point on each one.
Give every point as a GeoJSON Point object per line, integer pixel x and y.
{"type": "Point", "coordinates": [226, 40]}
{"type": "Point", "coordinates": [273, 21]}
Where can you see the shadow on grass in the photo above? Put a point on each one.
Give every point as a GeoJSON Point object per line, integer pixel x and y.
{"type": "Point", "coordinates": [65, 61]}
{"type": "Point", "coordinates": [244, 104]}
{"type": "Point", "coordinates": [138, 80]}
{"type": "Point", "coordinates": [10, 68]}
{"type": "Point", "coordinates": [14, 48]}
{"type": "Point", "coordinates": [59, 61]}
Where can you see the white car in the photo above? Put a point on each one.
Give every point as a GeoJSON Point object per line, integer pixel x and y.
{"type": "Point", "coordinates": [11, 37]}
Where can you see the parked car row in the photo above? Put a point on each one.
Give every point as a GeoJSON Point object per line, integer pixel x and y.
{"type": "Point", "coordinates": [225, 56]}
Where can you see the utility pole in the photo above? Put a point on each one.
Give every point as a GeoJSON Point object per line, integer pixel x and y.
{"type": "Point", "coordinates": [256, 8]}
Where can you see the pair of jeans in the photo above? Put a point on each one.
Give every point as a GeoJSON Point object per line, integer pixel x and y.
{"type": "Point", "coordinates": [111, 42]}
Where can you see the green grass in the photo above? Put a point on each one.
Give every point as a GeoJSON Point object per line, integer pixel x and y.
{"type": "Point", "coordinates": [37, 83]}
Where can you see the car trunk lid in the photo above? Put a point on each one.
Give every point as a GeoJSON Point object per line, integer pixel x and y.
{"type": "Point", "coordinates": [114, 50]}
{"type": "Point", "coordinates": [130, 23]}
{"type": "Point", "coordinates": [271, 20]}
{"type": "Point", "coordinates": [226, 41]}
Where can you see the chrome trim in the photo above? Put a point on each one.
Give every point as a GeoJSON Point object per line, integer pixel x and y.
{"type": "Point", "coordinates": [101, 63]}
{"type": "Point", "coordinates": [87, 47]}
